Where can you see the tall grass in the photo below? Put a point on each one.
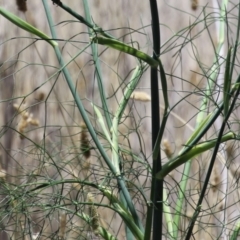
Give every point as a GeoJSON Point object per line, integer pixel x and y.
{"type": "Point", "coordinates": [82, 166]}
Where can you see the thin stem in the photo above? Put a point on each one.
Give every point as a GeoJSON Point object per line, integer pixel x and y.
{"type": "Point", "coordinates": [155, 210]}
{"type": "Point", "coordinates": [87, 22]}
{"type": "Point", "coordinates": [197, 211]}
{"type": "Point", "coordinates": [88, 123]}
{"type": "Point", "coordinates": [98, 68]}
{"type": "Point", "coordinates": [200, 117]}
{"type": "Point", "coordinates": [205, 185]}
{"type": "Point", "coordinates": [76, 97]}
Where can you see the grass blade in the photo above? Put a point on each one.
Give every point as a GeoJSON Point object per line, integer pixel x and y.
{"type": "Point", "coordinates": [196, 150]}
{"type": "Point", "coordinates": [122, 47]}
{"type": "Point", "coordinates": [26, 26]}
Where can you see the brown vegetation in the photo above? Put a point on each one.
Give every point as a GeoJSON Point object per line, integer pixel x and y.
{"type": "Point", "coordinates": [54, 144]}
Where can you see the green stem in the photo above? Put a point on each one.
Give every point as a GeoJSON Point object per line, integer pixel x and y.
{"type": "Point", "coordinates": [89, 125]}
{"type": "Point", "coordinates": [120, 46]}
{"type": "Point", "coordinates": [196, 150]}
{"type": "Point", "coordinates": [200, 117]}
{"type": "Point", "coordinates": [98, 68]}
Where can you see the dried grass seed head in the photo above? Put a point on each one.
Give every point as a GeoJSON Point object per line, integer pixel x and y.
{"type": "Point", "coordinates": [93, 213]}
{"type": "Point", "coordinates": [194, 4]}
{"type": "Point", "coordinates": [140, 96]}
{"type": "Point", "coordinates": [84, 141]}
{"type": "Point", "coordinates": [63, 223]}
{"type": "Point", "coordinates": [40, 96]}
{"type": "Point", "coordinates": [22, 5]}
{"type": "Point", "coordinates": [3, 174]}
{"type": "Point", "coordinates": [167, 148]}
{"type": "Point", "coordinates": [26, 119]}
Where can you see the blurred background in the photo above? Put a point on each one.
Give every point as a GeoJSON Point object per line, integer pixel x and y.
{"type": "Point", "coordinates": [42, 132]}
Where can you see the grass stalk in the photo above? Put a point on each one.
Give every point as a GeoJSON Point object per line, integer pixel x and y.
{"type": "Point", "coordinates": [228, 78]}
{"type": "Point", "coordinates": [215, 151]}
{"type": "Point", "coordinates": [98, 68]}
{"type": "Point", "coordinates": [195, 151]}
{"type": "Point", "coordinates": [89, 125]}
{"type": "Point", "coordinates": [154, 221]}
{"type": "Point", "coordinates": [26, 26]}
{"type": "Point", "coordinates": [122, 105]}
{"type": "Point", "coordinates": [117, 172]}
{"type": "Point", "coordinates": [235, 234]}
{"type": "Point", "coordinates": [87, 22]}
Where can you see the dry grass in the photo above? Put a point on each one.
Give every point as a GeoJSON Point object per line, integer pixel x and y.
{"type": "Point", "coordinates": [55, 145]}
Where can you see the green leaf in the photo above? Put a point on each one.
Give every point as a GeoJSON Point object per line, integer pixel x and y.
{"type": "Point", "coordinates": [102, 123]}
{"type": "Point", "coordinates": [122, 47]}
{"type": "Point", "coordinates": [193, 152]}
{"type": "Point", "coordinates": [236, 232]}
{"type": "Point", "coordinates": [26, 26]}
{"type": "Point", "coordinates": [197, 131]}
